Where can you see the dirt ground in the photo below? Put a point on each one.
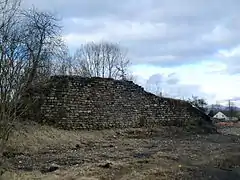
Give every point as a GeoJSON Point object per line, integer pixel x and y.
{"type": "Point", "coordinates": [41, 152]}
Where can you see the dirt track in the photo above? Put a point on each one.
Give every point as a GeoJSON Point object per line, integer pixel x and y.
{"type": "Point", "coordinates": [135, 154]}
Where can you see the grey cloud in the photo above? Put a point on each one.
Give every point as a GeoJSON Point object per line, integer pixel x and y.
{"type": "Point", "coordinates": [189, 48]}
{"type": "Point", "coordinates": [81, 26]}
{"type": "Point", "coordinates": [187, 11]}
{"type": "Point", "coordinates": [192, 11]}
{"type": "Point", "coordinates": [234, 69]}
{"type": "Point", "coordinates": [233, 65]}
{"type": "Point", "coordinates": [176, 89]}
{"type": "Point", "coordinates": [236, 99]}
{"type": "Point", "coordinates": [189, 26]}
{"type": "Point", "coordinates": [160, 79]}
{"type": "Point", "coordinates": [171, 75]}
{"type": "Point", "coordinates": [155, 79]}
{"type": "Point", "coordinates": [172, 81]}
{"type": "Point", "coordinates": [91, 9]}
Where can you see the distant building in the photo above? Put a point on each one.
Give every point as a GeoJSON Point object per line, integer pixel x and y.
{"type": "Point", "coordinates": [221, 116]}
{"type": "Point", "coordinates": [234, 118]}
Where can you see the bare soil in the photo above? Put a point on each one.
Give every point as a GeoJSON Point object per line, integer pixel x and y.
{"type": "Point", "coordinates": [159, 153]}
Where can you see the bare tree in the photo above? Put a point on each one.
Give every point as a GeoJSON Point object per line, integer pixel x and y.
{"type": "Point", "coordinates": [63, 64]}
{"type": "Point", "coordinates": [104, 59]}
{"type": "Point", "coordinates": [29, 41]}
{"type": "Point", "coordinates": [11, 67]}
{"type": "Point", "coordinates": [8, 10]}
{"type": "Point", "coordinates": [200, 103]}
{"type": "Point", "coordinates": [41, 36]}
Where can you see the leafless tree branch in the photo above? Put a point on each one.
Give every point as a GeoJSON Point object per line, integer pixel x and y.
{"type": "Point", "coordinates": [29, 41]}
{"type": "Point", "coordinates": [107, 60]}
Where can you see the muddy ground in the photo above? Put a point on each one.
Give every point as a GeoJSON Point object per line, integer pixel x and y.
{"type": "Point", "coordinates": [38, 152]}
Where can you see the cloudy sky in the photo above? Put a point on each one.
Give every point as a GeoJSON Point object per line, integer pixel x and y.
{"type": "Point", "coordinates": [182, 47]}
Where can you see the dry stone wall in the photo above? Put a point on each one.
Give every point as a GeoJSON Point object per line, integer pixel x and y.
{"type": "Point", "coordinates": [73, 102]}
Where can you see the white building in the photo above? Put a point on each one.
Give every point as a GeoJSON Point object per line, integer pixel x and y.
{"type": "Point", "coordinates": [221, 116]}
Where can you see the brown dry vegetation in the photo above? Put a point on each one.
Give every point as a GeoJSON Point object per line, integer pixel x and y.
{"type": "Point", "coordinates": [163, 153]}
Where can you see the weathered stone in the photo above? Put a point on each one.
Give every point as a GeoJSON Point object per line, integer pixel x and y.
{"type": "Point", "coordinates": [51, 168]}
{"type": "Point", "coordinates": [100, 103]}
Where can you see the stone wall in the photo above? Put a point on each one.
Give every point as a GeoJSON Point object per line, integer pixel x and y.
{"type": "Point", "coordinates": [73, 102]}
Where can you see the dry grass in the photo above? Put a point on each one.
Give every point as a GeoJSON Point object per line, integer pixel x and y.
{"type": "Point", "coordinates": [94, 172]}
{"type": "Point", "coordinates": [34, 138]}
{"type": "Point", "coordinates": [167, 157]}
{"type": "Point", "coordinates": [70, 175]}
